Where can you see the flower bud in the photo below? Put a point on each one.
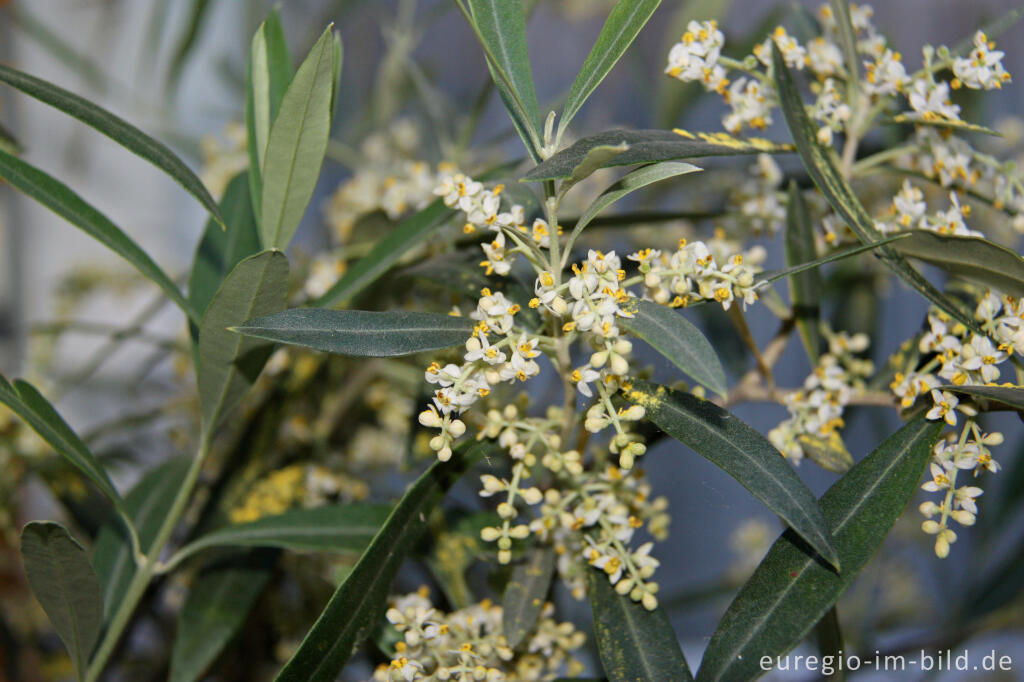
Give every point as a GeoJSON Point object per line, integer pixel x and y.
{"type": "Point", "coordinates": [429, 419]}
{"type": "Point", "coordinates": [532, 495]}
{"type": "Point", "coordinates": [598, 359]}
{"type": "Point", "coordinates": [619, 365]}
{"type": "Point", "coordinates": [489, 533]}
{"type": "Point", "coordinates": [457, 428]}
{"type": "Point", "coordinates": [520, 532]}
{"type": "Point", "coordinates": [506, 510]}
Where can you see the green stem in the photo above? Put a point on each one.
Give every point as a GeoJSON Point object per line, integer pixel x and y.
{"type": "Point", "coordinates": [144, 571]}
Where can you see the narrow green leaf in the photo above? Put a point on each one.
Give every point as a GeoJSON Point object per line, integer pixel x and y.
{"type": "Point", "coordinates": [64, 583]}
{"type": "Point", "coordinates": [220, 250]}
{"type": "Point", "coordinates": [525, 593]}
{"type": "Point", "coordinates": [741, 452]}
{"type": "Point", "coordinates": [197, 17]}
{"type": "Point", "coordinates": [270, 73]}
{"type": "Point", "coordinates": [117, 129]}
{"type": "Point", "coordinates": [409, 233]}
{"type": "Point", "coordinates": [638, 179]}
{"type": "Point", "coordinates": [993, 397]}
{"type": "Point", "coordinates": [357, 604]}
{"type": "Point", "coordinates": [949, 124]}
{"type": "Point", "coordinates": [331, 528]}
{"type": "Point", "coordinates": [822, 169]}
{"type": "Point", "coordinates": [26, 402]}
{"type": "Point", "coordinates": [805, 286]}
{"type": "Point", "coordinates": [972, 258]}
{"type": "Point", "coordinates": [146, 504]}
{"type": "Point", "coordinates": [634, 643]}
{"type": "Point", "coordinates": [502, 25]}
{"type": "Point", "coordinates": [296, 145]}
{"type": "Point", "coordinates": [360, 333]}
{"type": "Point", "coordinates": [793, 588]}
{"type": "Point", "coordinates": [8, 143]}
{"type": "Point", "coordinates": [848, 41]}
{"type": "Point", "coordinates": [677, 339]}
{"type": "Point", "coordinates": [837, 256]}
{"type": "Point", "coordinates": [650, 146]}
{"type": "Point", "coordinates": [218, 602]}
{"type": "Point", "coordinates": [595, 159]}
{"type": "Point", "coordinates": [229, 363]}
{"type": "Point", "coordinates": [618, 33]}
{"type": "Point", "coordinates": [60, 199]}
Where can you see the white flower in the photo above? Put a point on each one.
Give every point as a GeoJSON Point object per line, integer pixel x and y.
{"type": "Point", "coordinates": [886, 75]}
{"type": "Point", "coordinates": [793, 53]}
{"type": "Point", "coordinates": [751, 104]}
{"type": "Point", "coordinates": [909, 205]}
{"type": "Point", "coordinates": [824, 57]}
{"type": "Point", "coordinates": [983, 67]}
{"type": "Point", "coordinates": [583, 377]}
{"type": "Point", "coordinates": [695, 56]}
{"type": "Point", "coordinates": [945, 407]}
{"type": "Point", "coordinates": [930, 101]}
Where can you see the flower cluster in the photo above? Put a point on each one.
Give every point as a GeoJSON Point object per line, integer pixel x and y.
{"type": "Point", "coordinates": [221, 161]}
{"type": "Point", "coordinates": [390, 178]}
{"type": "Point", "coordinates": [469, 645]}
{"type": "Point", "coordinates": [296, 485]}
{"type": "Point", "coordinates": [695, 56]}
{"type": "Point", "coordinates": [816, 411]}
{"type": "Point", "coordinates": [712, 271]}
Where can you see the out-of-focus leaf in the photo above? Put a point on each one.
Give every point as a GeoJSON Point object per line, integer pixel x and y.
{"type": "Point", "coordinates": [26, 402]}
{"type": "Point", "coordinates": [8, 143]}
{"type": "Point", "coordinates": [634, 643]}
{"type": "Point", "coordinates": [198, 14]}
{"type": "Point", "coordinates": [147, 504]}
{"type": "Point", "coordinates": [60, 199]}
{"type": "Point", "coordinates": [117, 129]}
{"type": "Point", "coordinates": [64, 583]}
{"type": "Point", "coordinates": [972, 258]}
{"type": "Point", "coordinates": [822, 168]}
{"type": "Point", "coordinates": [837, 256]}
{"type": "Point", "coordinates": [683, 344]}
{"type": "Point", "coordinates": [502, 31]}
{"type": "Point", "coordinates": [296, 145]}
{"type": "Point", "coordinates": [218, 602]}
{"type": "Point", "coordinates": [949, 124]}
{"type": "Point", "coordinates": [331, 528]}
{"type": "Point", "coordinates": [991, 29]}
{"type": "Point", "coordinates": [220, 250]}
{"type": "Point", "coordinates": [638, 179]}
{"type": "Point", "coordinates": [618, 33]}
{"type": "Point", "coordinates": [525, 594]}
{"type": "Point", "coordinates": [793, 588]}
{"type": "Point", "coordinates": [270, 72]}
{"type": "Point", "coordinates": [595, 160]}
{"type": "Point", "coordinates": [357, 604]}
{"type": "Point", "coordinates": [804, 287]}
{"type": "Point", "coordinates": [650, 146]}
{"type": "Point", "coordinates": [360, 333]}
{"type": "Point", "coordinates": [847, 41]}
{"type": "Point", "coordinates": [228, 362]}
{"type": "Point", "coordinates": [740, 451]}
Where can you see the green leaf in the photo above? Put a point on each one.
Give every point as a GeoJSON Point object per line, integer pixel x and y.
{"type": "Point", "coordinates": [793, 588]}
{"type": "Point", "coordinates": [117, 129]}
{"type": "Point", "coordinates": [26, 402]}
{"type": "Point", "coordinates": [741, 452]}
{"type": "Point", "coordinates": [409, 233]}
{"type": "Point", "coordinates": [677, 339]}
{"type": "Point", "coordinates": [972, 258]}
{"type": "Point", "coordinates": [296, 145]}
{"type": "Point", "coordinates": [360, 333]}
{"type": "Point", "coordinates": [64, 583]}
{"type": "Point", "coordinates": [992, 397]}
{"type": "Point", "coordinates": [949, 124]}
{"type": "Point", "coordinates": [60, 199]}
{"type": "Point", "coordinates": [525, 594]}
{"type": "Point", "coordinates": [638, 179]}
{"type": "Point", "coordinates": [595, 159]}
{"type": "Point", "coordinates": [634, 643]}
{"type": "Point", "coordinates": [991, 29]}
{"type": "Point", "coordinates": [146, 505]}
{"type": "Point", "coordinates": [218, 602]}
{"type": "Point", "coordinates": [619, 31]}
{"type": "Point", "coordinates": [8, 143]}
{"type": "Point", "coordinates": [649, 146]}
{"type": "Point", "coordinates": [197, 17]}
{"type": "Point", "coordinates": [220, 250]}
{"type": "Point", "coordinates": [502, 31]}
{"type": "Point", "coordinates": [822, 168]}
{"type": "Point", "coordinates": [338, 529]}
{"type": "Point", "coordinates": [358, 603]}
{"type": "Point", "coordinates": [848, 42]}
{"type": "Point", "coordinates": [270, 73]}
{"type": "Point", "coordinates": [804, 287]}
{"type": "Point", "coordinates": [837, 256]}
{"type": "Point", "coordinates": [229, 363]}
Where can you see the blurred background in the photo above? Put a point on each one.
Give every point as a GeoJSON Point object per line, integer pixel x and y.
{"type": "Point", "coordinates": [176, 69]}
